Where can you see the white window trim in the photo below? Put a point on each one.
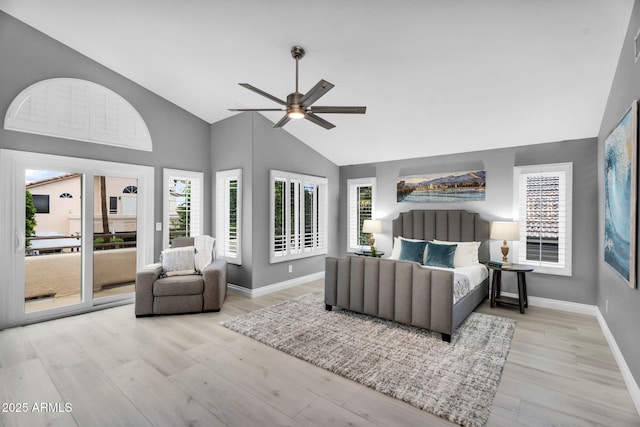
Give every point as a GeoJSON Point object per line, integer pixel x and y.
{"type": "Point", "coordinates": [222, 215]}
{"type": "Point", "coordinates": [12, 231]}
{"type": "Point", "coordinates": [197, 217]}
{"type": "Point", "coordinates": [352, 209]}
{"type": "Point", "coordinates": [520, 247]}
{"type": "Point", "coordinates": [320, 228]}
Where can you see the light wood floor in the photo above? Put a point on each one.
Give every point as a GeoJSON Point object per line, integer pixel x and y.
{"type": "Point", "coordinates": [114, 369]}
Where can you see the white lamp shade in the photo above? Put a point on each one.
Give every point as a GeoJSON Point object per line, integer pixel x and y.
{"type": "Point", "coordinates": [372, 226]}
{"type": "Point", "coordinates": [505, 230]}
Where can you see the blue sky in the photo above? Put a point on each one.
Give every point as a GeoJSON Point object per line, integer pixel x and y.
{"type": "Point", "coordinates": [32, 175]}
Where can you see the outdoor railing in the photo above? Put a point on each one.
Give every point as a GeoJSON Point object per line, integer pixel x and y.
{"type": "Point", "coordinates": [73, 242]}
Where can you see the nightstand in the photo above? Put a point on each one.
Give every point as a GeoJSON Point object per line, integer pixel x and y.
{"type": "Point", "coordinates": [368, 253]}
{"type": "Point", "coordinates": [496, 284]}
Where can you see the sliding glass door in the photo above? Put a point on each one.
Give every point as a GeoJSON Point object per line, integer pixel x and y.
{"type": "Point", "coordinates": [114, 235]}
{"type": "Point", "coordinates": [75, 233]}
{"type": "Point", "coordinates": [52, 239]}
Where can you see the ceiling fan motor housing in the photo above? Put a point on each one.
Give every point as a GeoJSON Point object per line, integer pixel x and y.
{"type": "Point", "coordinates": [294, 106]}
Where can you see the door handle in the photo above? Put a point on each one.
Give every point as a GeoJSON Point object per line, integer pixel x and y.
{"type": "Point", "coordinates": [19, 241]}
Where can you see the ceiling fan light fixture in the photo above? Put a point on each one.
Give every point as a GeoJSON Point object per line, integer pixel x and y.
{"type": "Point", "coordinates": [296, 113]}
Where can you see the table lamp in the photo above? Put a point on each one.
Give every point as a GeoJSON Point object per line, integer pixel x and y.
{"type": "Point", "coordinates": [372, 226]}
{"type": "Point", "coordinates": [505, 230]}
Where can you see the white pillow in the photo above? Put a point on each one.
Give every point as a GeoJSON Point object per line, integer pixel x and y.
{"type": "Point", "coordinates": [395, 250]}
{"type": "Point", "coordinates": [397, 247]}
{"type": "Point", "coordinates": [178, 260]}
{"type": "Point", "coordinates": [466, 253]}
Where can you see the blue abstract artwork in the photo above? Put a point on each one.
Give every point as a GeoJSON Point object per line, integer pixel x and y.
{"type": "Point", "coordinates": [620, 196]}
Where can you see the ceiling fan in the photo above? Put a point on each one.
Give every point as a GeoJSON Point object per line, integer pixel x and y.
{"type": "Point", "coordinates": [299, 105]}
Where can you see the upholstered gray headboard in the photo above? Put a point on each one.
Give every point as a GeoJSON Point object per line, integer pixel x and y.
{"type": "Point", "coordinates": [450, 225]}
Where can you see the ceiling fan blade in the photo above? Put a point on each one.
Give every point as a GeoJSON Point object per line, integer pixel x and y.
{"type": "Point", "coordinates": [255, 109]}
{"type": "Point", "coordinates": [283, 121]}
{"type": "Point", "coordinates": [341, 110]}
{"type": "Point", "coordinates": [320, 122]}
{"type": "Point", "coordinates": [263, 93]}
{"type": "Point", "coordinates": [315, 93]}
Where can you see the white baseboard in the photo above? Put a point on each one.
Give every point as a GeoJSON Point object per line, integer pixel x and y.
{"type": "Point", "coordinates": [592, 310]}
{"type": "Point", "coordinates": [631, 383]}
{"type": "Point", "coordinates": [265, 290]}
{"type": "Point", "coordinates": [572, 307]}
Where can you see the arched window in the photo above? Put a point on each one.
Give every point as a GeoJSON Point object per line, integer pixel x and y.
{"type": "Point", "coordinates": [80, 110]}
{"type": "Point", "coordinates": [130, 189]}
{"type": "Point", "coordinates": [66, 196]}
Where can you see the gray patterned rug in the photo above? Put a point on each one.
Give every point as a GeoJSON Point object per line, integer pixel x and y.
{"type": "Point", "coordinates": [456, 381]}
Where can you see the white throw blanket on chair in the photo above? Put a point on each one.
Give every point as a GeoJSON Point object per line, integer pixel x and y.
{"type": "Point", "coordinates": [204, 251]}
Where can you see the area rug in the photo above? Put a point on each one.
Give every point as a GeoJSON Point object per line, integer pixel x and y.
{"type": "Point", "coordinates": [456, 381]}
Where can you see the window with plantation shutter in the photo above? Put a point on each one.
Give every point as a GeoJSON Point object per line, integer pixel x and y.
{"type": "Point", "coordinates": [298, 216]}
{"type": "Point", "coordinates": [80, 110]}
{"type": "Point", "coordinates": [543, 194]}
{"type": "Point", "coordinates": [229, 215]}
{"type": "Point", "coordinates": [361, 194]}
{"type": "Point", "coordinates": [183, 209]}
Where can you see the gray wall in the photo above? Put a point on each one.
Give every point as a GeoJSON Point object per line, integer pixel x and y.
{"type": "Point", "coordinates": [249, 141]}
{"type": "Point", "coordinates": [232, 148]}
{"type": "Point", "coordinates": [623, 315]}
{"type": "Point", "coordinates": [180, 140]}
{"type": "Point", "coordinates": [498, 205]}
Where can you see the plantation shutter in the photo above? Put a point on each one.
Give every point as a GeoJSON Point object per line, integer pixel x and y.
{"type": "Point", "coordinates": [80, 110]}
{"type": "Point", "coordinates": [544, 203]}
{"type": "Point", "coordinates": [186, 203]}
{"type": "Point", "coordinates": [183, 207]}
{"type": "Point", "coordinates": [321, 215]}
{"type": "Point", "coordinates": [195, 208]}
{"type": "Point", "coordinates": [279, 220]}
{"type": "Point", "coordinates": [298, 215]}
{"type": "Point", "coordinates": [360, 208]}
{"type": "Point", "coordinates": [229, 215]}
{"type": "Point", "coordinates": [293, 217]}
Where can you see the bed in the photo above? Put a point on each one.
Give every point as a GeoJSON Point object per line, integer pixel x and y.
{"type": "Point", "coordinates": [408, 292]}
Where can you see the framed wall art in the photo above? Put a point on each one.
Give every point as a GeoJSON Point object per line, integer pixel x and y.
{"type": "Point", "coordinates": [442, 187]}
{"type": "Point", "coordinates": [620, 194]}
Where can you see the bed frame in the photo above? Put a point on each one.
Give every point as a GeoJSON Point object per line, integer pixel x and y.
{"type": "Point", "coordinates": [403, 291]}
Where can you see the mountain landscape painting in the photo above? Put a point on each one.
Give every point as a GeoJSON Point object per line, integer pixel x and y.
{"type": "Point", "coordinates": [442, 187]}
{"type": "Point", "coordinates": [620, 150]}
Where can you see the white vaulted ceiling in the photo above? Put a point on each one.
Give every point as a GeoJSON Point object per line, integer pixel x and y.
{"type": "Point", "coordinates": [437, 76]}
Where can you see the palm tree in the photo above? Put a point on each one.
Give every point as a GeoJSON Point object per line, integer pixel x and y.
{"type": "Point", "coordinates": [103, 208]}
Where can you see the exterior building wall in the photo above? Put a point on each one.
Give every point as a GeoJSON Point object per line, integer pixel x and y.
{"type": "Point", "coordinates": [64, 213]}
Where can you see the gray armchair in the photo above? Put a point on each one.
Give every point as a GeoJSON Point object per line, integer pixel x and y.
{"type": "Point", "coordinates": [180, 294]}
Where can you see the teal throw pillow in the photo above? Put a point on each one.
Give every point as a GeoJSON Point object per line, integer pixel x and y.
{"type": "Point", "coordinates": [441, 255]}
{"type": "Point", "coordinates": [412, 251]}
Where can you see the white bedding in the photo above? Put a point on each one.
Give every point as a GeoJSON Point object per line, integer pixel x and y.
{"type": "Point", "coordinates": [465, 278]}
